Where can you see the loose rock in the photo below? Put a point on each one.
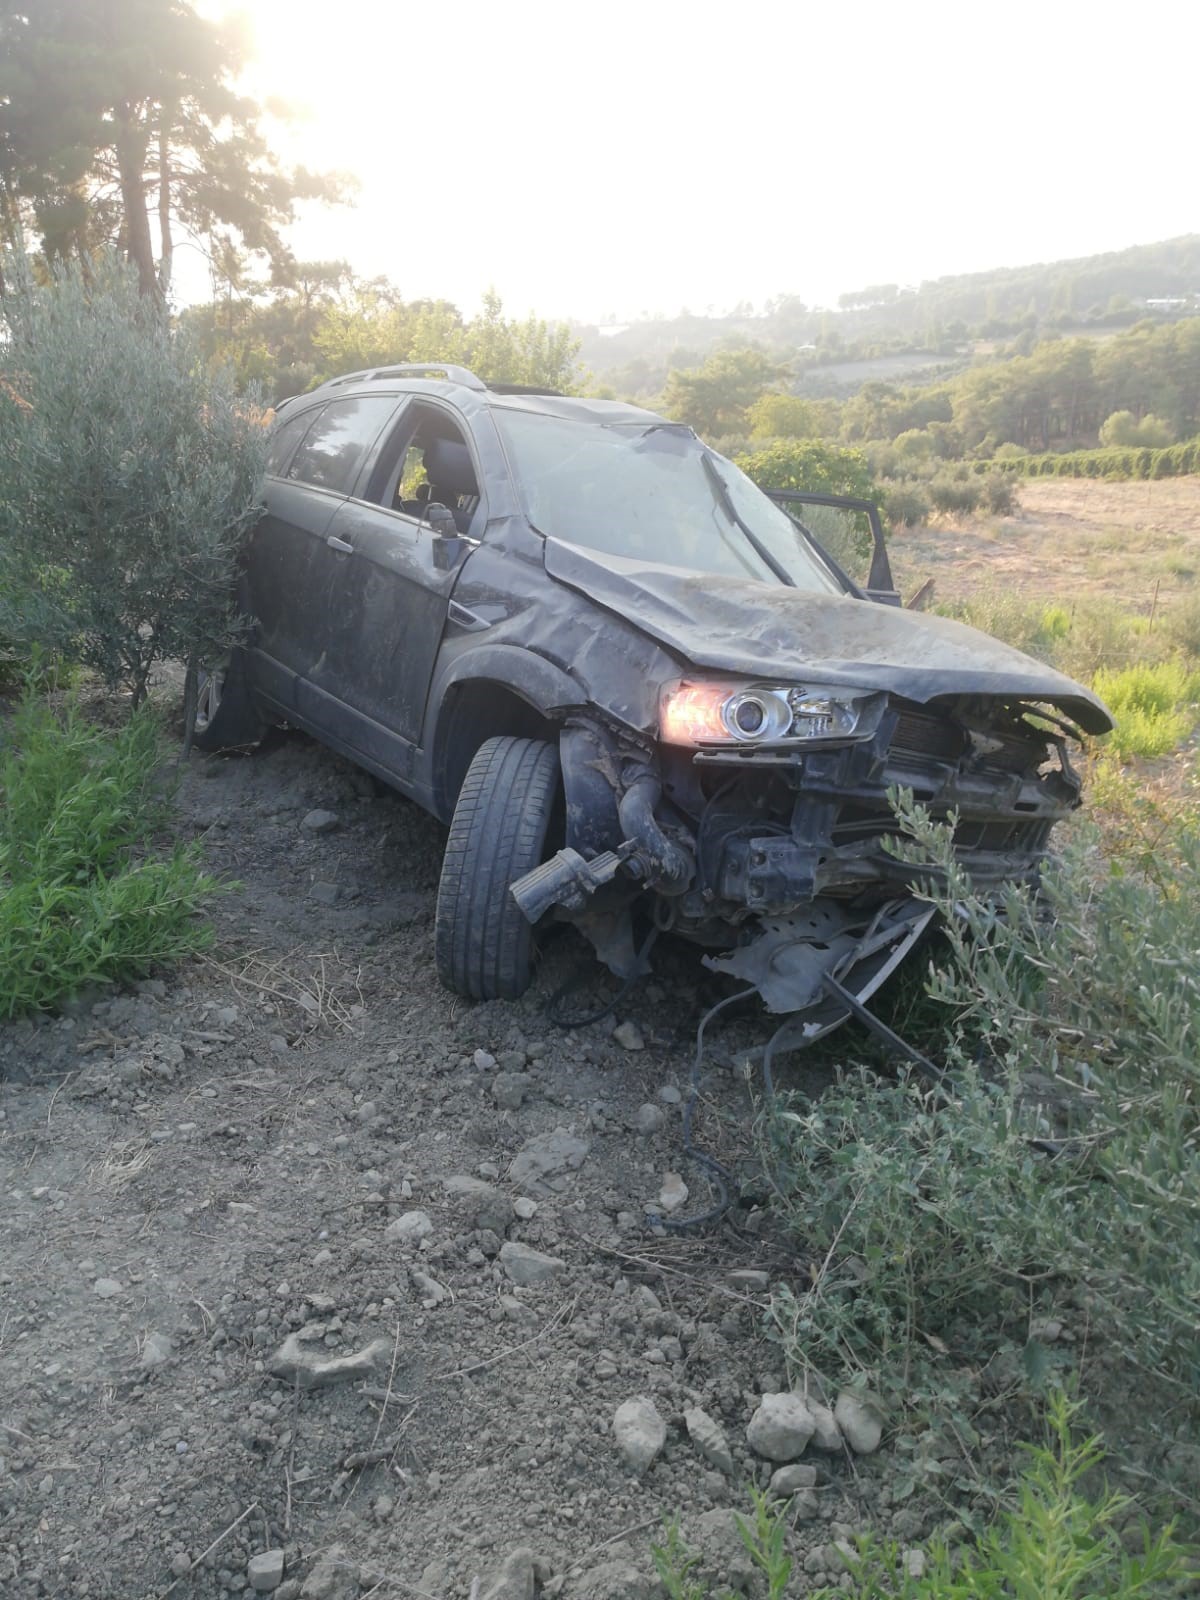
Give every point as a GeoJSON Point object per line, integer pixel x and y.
{"type": "Point", "coordinates": [708, 1438]}
{"type": "Point", "coordinates": [409, 1228]}
{"type": "Point", "coordinates": [674, 1192]}
{"type": "Point", "coordinates": [265, 1571]}
{"type": "Point", "coordinates": [310, 1369]}
{"type": "Point", "coordinates": [510, 1089]}
{"type": "Point", "coordinates": [640, 1432]}
{"type": "Point", "coordinates": [333, 1578]}
{"type": "Point", "coordinates": [629, 1036]}
{"type": "Point", "coordinates": [826, 1433]}
{"type": "Point", "coordinates": [489, 1208]}
{"type": "Point", "coordinates": [526, 1266]}
{"type": "Point", "coordinates": [516, 1578]}
{"type": "Point", "coordinates": [106, 1288]}
{"type": "Point", "coordinates": [157, 1349]}
{"type": "Point", "coordinates": [547, 1154]}
{"type": "Point", "coordinates": [781, 1427]}
{"type": "Point", "coordinates": [649, 1120]}
{"type": "Point", "coordinates": [320, 822]}
{"type": "Point", "coordinates": [788, 1480]}
{"type": "Point", "coordinates": [859, 1418]}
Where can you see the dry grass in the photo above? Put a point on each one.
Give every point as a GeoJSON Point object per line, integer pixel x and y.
{"type": "Point", "coordinates": [1073, 538]}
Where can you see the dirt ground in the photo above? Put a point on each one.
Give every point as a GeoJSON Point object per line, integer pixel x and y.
{"type": "Point", "coordinates": [194, 1171]}
{"type": "Point", "coordinates": [1135, 543]}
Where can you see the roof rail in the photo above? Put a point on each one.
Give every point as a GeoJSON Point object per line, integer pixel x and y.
{"type": "Point", "coordinates": [412, 369]}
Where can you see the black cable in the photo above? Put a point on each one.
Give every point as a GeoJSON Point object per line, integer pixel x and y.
{"type": "Point", "coordinates": [721, 1175]}
{"type": "Point", "coordinates": [572, 983]}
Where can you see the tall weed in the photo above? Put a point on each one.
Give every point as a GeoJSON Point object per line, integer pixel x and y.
{"type": "Point", "coordinates": [82, 900]}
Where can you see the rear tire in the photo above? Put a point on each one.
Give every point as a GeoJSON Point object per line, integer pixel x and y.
{"type": "Point", "coordinates": [507, 804]}
{"type": "Point", "coordinates": [225, 717]}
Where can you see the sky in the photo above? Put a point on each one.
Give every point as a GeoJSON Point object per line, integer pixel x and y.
{"type": "Point", "coordinates": [627, 159]}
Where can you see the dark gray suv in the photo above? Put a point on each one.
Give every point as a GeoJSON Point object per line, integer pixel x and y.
{"type": "Point", "coordinates": [634, 685]}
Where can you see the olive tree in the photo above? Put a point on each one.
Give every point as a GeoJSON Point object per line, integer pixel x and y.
{"type": "Point", "coordinates": [129, 474]}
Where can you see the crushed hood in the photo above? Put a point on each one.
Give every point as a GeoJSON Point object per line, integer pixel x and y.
{"type": "Point", "coordinates": [746, 628]}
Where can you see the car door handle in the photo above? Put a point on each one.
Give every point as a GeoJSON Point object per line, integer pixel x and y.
{"type": "Point", "coordinates": [335, 543]}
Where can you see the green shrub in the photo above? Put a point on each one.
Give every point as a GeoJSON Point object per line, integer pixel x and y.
{"type": "Point", "coordinates": [1053, 1542]}
{"type": "Point", "coordinates": [810, 464]}
{"type": "Point", "coordinates": [1115, 463]}
{"type": "Point", "coordinates": [942, 1222]}
{"type": "Point", "coordinates": [906, 504]}
{"type": "Point", "coordinates": [81, 900]}
{"type": "Point", "coordinates": [1153, 706]}
{"type": "Point", "coordinates": [1056, 1543]}
{"type": "Point", "coordinates": [953, 496]}
{"type": "Point", "coordinates": [128, 471]}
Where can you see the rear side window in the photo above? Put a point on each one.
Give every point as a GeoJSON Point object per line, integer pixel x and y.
{"type": "Point", "coordinates": [285, 439]}
{"type": "Point", "coordinates": [334, 447]}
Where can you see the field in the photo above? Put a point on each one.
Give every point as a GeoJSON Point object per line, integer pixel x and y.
{"type": "Point", "coordinates": [1071, 539]}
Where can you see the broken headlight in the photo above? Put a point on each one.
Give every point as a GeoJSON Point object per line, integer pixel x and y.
{"type": "Point", "coordinates": [762, 713]}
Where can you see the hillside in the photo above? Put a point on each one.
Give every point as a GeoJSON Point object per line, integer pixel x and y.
{"type": "Point", "coordinates": [918, 332]}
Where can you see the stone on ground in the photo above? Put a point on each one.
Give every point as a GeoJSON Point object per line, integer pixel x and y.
{"type": "Point", "coordinates": [313, 1368]}
{"type": "Point", "coordinates": [781, 1427]}
{"type": "Point", "coordinates": [708, 1438]}
{"type": "Point", "coordinates": [265, 1571]}
{"type": "Point", "coordinates": [409, 1228]}
{"type": "Point", "coordinates": [858, 1416]}
{"type": "Point", "coordinates": [527, 1266]}
{"type": "Point", "coordinates": [639, 1431]}
{"type": "Point", "coordinates": [515, 1579]}
{"type": "Point", "coordinates": [790, 1479]}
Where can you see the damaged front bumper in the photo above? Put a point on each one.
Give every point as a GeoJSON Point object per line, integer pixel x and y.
{"type": "Point", "coordinates": [777, 857]}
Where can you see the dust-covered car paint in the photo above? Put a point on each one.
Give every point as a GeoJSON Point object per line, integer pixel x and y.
{"type": "Point", "coordinates": [728, 709]}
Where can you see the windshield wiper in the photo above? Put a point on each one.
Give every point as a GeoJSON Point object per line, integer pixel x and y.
{"type": "Point", "coordinates": [726, 499]}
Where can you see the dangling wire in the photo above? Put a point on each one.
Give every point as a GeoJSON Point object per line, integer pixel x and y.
{"type": "Point", "coordinates": [573, 982]}
{"type": "Point", "coordinates": [721, 1175]}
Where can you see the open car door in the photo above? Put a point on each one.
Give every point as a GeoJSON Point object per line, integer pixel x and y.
{"type": "Point", "coordinates": [849, 533]}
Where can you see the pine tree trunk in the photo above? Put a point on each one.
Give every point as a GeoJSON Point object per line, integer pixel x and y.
{"type": "Point", "coordinates": [166, 260]}
{"type": "Point", "coordinates": [131, 144]}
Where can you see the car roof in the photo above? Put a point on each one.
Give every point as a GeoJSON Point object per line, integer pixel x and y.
{"type": "Point", "coordinates": [472, 392]}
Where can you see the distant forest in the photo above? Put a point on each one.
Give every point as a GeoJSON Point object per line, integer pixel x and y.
{"type": "Point", "coordinates": [916, 334]}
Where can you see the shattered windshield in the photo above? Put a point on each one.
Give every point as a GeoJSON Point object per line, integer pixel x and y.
{"type": "Point", "coordinates": [653, 492]}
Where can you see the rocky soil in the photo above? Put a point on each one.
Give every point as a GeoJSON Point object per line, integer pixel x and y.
{"type": "Point", "coordinates": [317, 1281]}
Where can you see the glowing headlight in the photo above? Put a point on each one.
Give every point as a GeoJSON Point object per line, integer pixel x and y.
{"type": "Point", "coordinates": [759, 713]}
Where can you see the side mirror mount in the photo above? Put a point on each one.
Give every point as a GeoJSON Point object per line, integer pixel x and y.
{"type": "Point", "coordinates": [440, 520]}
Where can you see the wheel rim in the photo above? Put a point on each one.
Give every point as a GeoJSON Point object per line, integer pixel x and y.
{"type": "Point", "coordinates": [209, 689]}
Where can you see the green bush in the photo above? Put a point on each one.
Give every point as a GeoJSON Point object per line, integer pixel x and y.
{"type": "Point", "coordinates": [810, 464]}
{"type": "Point", "coordinates": [128, 470]}
{"type": "Point", "coordinates": [954, 496]}
{"type": "Point", "coordinates": [1056, 1543]}
{"type": "Point", "coordinates": [1173, 461]}
{"type": "Point", "coordinates": [906, 504]}
{"type": "Point", "coordinates": [1153, 705]}
{"type": "Point", "coordinates": [1053, 1542]}
{"type": "Point", "coordinates": [81, 899]}
{"type": "Point", "coordinates": [1053, 1168]}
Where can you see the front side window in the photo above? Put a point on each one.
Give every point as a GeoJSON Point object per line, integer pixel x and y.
{"type": "Point", "coordinates": [333, 449]}
{"type": "Point", "coordinates": [652, 492]}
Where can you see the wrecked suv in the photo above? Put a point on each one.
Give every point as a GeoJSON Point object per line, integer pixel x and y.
{"type": "Point", "coordinates": [633, 684]}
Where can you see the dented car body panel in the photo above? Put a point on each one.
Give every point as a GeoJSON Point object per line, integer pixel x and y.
{"type": "Point", "coordinates": [729, 713]}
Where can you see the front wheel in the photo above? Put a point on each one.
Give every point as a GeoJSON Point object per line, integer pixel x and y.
{"type": "Point", "coordinates": [502, 822]}
{"type": "Point", "coordinates": [225, 717]}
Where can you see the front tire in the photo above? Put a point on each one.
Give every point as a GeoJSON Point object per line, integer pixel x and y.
{"type": "Point", "coordinates": [225, 717]}
{"type": "Point", "coordinates": [502, 822]}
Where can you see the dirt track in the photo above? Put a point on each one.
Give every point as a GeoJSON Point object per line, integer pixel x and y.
{"type": "Point", "coordinates": [192, 1172]}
